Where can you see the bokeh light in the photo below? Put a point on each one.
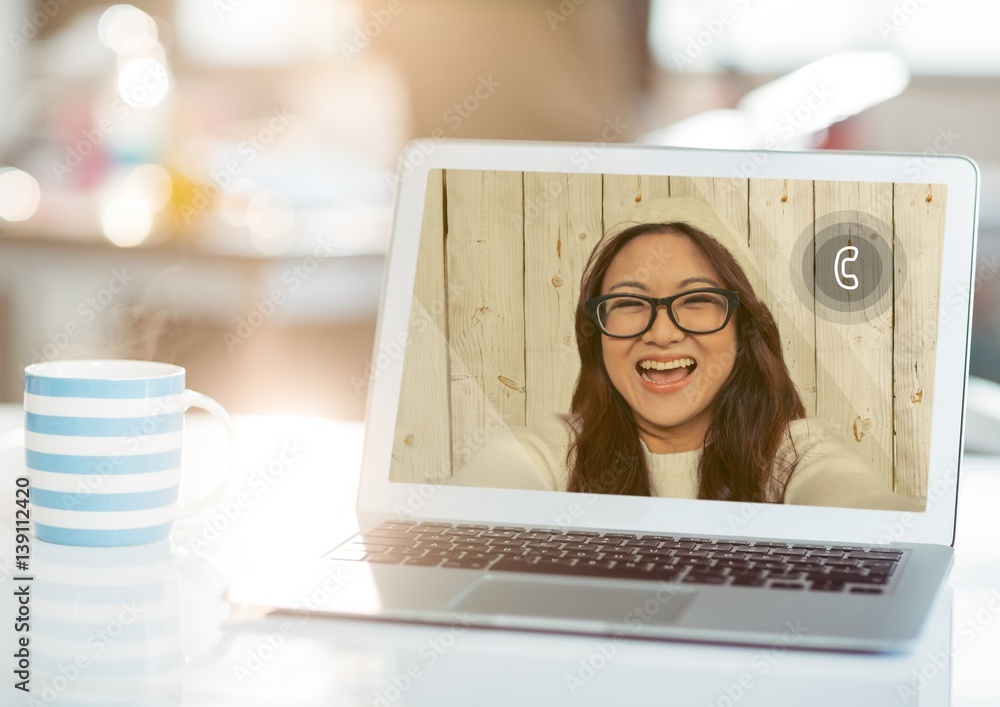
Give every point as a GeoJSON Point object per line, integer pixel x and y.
{"type": "Point", "coordinates": [20, 194]}
{"type": "Point", "coordinates": [125, 220]}
{"type": "Point", "coordinates": [127, 29]}
{"type": "Point", "coordinates": [143, 82]}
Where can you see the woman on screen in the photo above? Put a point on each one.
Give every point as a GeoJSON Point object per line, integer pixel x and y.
{"type": "Point", "coordinates": [682, 392]}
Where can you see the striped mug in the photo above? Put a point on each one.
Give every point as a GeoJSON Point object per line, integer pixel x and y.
{"type": "Point", "coordinates": [102, 442]}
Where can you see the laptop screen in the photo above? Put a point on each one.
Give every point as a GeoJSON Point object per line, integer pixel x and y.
{"type": "Point", "coordinates": [732, 339]}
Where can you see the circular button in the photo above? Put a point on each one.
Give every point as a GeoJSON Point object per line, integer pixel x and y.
{"type": "Point", "coordinates": [845, 264]}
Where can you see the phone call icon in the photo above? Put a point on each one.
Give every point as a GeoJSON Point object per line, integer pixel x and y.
{"type": "Point", "coordinates": [840, 267]}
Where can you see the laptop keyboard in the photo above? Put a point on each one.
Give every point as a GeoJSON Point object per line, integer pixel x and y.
{"type": "Point", "coordinates": [665, 558]}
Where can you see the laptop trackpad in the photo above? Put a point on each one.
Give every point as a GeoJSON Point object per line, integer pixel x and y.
{"type": "Point", "coordinates": [578, 599]}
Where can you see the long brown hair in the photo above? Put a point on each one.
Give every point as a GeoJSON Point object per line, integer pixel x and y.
{"type": "Point", "coordinates": [750, 414]}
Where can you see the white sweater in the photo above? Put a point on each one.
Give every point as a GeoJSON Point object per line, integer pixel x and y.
{"type": "Point", "coordinates": [828, 473]}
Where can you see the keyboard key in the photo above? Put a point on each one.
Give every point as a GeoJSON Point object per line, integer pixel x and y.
{"type": "Point", "coordinates": [510, 550]}
{"type": "Point", "coordinates": [871, 579]}
{"type": "Point", "coordinates": [396, 542]}
{"type": "Point", "coordinates": [717, 548]}
{"type": "Point", "coordinates": [644, 543]}
{"type": "Point", "coordinates": [806, 566]}
{"type": "Point", "coordinates": [542, 566]}
{"type": "Point", "coordinates": [704, 578]}
{"type": "Point", "coordinates": [462, 531]}
{"type": "Point", "coordinates": [828, 586]}
{"type": "Point", "coordinates": [412, 551]}
{"type": "Point", "coordinates": [867, 590]}
{"type": "Point", "coordinates": [429, 561]}
{"type": "Point", "coordinates": [382, 533]}
{"type": "Point", "coordinates": [749, 581]}
{"type": "Point", "coordinates": [607, 542]}
{"type": "Point", "coordinates": [466, 564]}
{"type": "Point", "coordinates": [644, 567]}
{"type": "Point", "coordinates": [597, 568]}
{"type": "Point", "coordinates": [769, 565]}
{"type": "Point", "coordinates": [787, 585]}
{"type": "Point", "coordinates": [389, 558]}
{"type": "Point", "coordinates": [477, 556]}
{"type": "Point", "coordinates": [892, 557]}
{"type": "Point", "coordinates": [361, 546]}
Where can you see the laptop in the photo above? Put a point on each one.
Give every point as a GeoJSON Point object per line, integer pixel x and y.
{"type": "Point", "coordinates": [480, 502]}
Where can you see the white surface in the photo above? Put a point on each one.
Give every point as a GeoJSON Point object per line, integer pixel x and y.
{"type": "Point", "coordinates": [290, 502]}
{"type": "Point", "coordinates": [935, 525]}
{"type": "Point", "coordinates": [982, 421]}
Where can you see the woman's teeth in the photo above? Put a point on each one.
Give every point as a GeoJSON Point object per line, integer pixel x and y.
{"type": "Point", "coordinates": [679, 363]}
{"type": "Point", "coordinates": [666, 365]}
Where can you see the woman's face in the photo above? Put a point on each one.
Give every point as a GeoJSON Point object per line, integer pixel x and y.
{"type": "Point", "coordinates": [672, 407]}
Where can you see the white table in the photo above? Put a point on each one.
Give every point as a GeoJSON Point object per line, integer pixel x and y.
{"type": "Point", "coordinates": [278, 511]}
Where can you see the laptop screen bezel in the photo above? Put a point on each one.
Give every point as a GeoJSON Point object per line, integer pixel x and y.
{"type": "Point", "coordinates": [379, 498]}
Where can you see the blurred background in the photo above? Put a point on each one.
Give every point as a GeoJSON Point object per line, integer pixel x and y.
{"type": "Point", "coordinates": [210, 182]}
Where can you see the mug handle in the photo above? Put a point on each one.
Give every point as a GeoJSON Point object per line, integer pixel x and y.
{"type": "Point", "coordinates": [190, 399]}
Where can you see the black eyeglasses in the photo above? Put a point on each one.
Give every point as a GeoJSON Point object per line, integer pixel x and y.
{"type": "Point", "coordinates": [702, 311]}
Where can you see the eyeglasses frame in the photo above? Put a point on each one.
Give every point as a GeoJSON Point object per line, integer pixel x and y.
{"type": "Point", "coordinates": [592, 304]}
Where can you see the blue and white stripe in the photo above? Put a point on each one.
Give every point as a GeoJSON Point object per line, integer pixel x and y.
{"type": "Point", "coordinates": [104, 457]}
{"type": "Point", "coordinates": [111, 618]}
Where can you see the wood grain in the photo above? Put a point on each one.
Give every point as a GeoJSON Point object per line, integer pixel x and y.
{"type": "Point", "coordinates": [780, 211]}
{"type": "Point", "coordinates": [623, 193]}
{"type": "Point", "coordinates": [919, 232]}
{"type": "Point", "coordinates": [511, 250]}
{"type": "Point", "coordinates": [485, 270]}
{"type": "Point", "coordinates": [421, 448]}
{"type": "Point", "coordinates": [854, 353]}
{"type": "Point", "coordinates": [562, 224]}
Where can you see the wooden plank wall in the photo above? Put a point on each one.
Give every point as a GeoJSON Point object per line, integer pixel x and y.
{"type": "Point", "coordinates": [501, 256]}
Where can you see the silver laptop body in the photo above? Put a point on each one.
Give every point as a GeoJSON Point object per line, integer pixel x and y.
{"type": "Point", "coordinates": [929, 207]}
